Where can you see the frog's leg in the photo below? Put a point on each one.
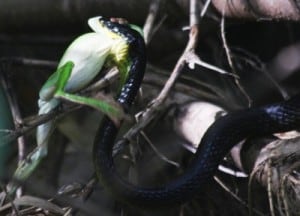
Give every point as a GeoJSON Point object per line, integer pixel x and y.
{"type": "Point", "coordinates": [46, 104]}
{"type": "Point", "coordinates": [111, 109]}
{"type": "Point", "coordinates": [51, 91]}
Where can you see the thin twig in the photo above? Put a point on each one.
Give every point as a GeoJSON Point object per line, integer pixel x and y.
{"type": "Point", "coordinates": [161, 155]}
{"type": "Point", "coordinates": [157, 27]}
{"type": "Point", "coordinates": [284, 195]}
{"type": "Point", "coordinates": [18, 120]}
{"type": "Point", "coordinates": [29, 62]}
{"type": "Point", "coordinates": [229, 59]}
{"type": "Point", "coordinates": [109, 77]}
{"type": "Point", "coordinates": [9, 198]}
{"type": "Point", "coordinates": [269, 186]}
{"type": "Point", "coordinates": [148, 26]}
{"type": "Point", "coordinates": [185, 89]}
{"type": "Point", "coordinates": [16, 114]}
{"type": "Point", "coordinates": [37, 120]}
{"type": "Point", "coordinates": [250, 182]}
{"type": "Point", "coordinates": [219, 181]}
{"type": "Point", "coordinates": [283, 190]}
{"type": "Point", "coordinates": [195, 87]}
{"type": "Point", "coordinates": [151, 111]}
{"type": "Point", "coordinates": [30, 123]}
{"type": "Point", "coordinates": [250, 201]}
{"type": "Point", "coordinates": [204, 8]}
{"type": "Point", "coordinates": [15, 111]}
{"type": "Point", "coordinates": [256, 63]}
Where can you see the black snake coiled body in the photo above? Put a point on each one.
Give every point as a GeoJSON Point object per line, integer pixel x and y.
{"type": "Point", "coordinates": [217, 141]}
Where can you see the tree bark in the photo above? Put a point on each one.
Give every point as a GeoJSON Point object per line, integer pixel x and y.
{"type": "Point", "coordinates": [259, 9]}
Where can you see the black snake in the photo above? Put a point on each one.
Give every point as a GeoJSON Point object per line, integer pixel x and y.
{"type": "Point", "coordinates": [217, 141]}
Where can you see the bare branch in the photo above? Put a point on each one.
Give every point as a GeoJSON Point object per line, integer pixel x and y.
{"type": "Point", "coordinates": [148, 26]}
{"type": "Point", "coordinates": [229, 59]}
{"type": "Point", "coordinates": [18, 120]}
{"type": "Point", "coordinates": [236, 197]}
{"type": "Point", "coordinates": [152, 110]}
{"type": "Point", "coordinates": [159, 154]}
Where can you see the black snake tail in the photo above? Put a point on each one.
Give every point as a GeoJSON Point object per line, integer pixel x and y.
{"type": "Point", "coordinates": [217, 141]}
